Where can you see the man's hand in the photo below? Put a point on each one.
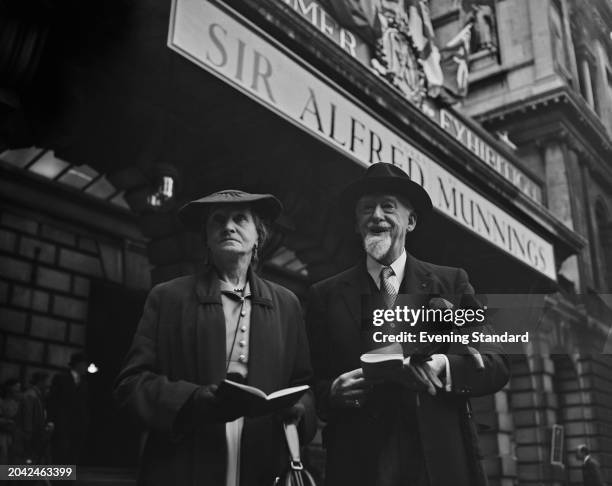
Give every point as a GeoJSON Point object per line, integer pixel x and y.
{"type": "Point", "coordinates": [349, 390]}
{"type": "Point", "coordinates": [424, 375]}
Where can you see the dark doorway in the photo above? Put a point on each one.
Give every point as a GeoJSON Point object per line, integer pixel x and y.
{"type": "Point", "coordinates": [114, 312]}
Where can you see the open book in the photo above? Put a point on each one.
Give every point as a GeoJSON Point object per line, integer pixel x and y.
{"type": "Point", "coordinates": [255, 401]}
{"type": "Point", "coordinates": [378, 366]}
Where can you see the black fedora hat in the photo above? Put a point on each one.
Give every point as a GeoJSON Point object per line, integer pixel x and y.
{"type": "Point", "coordinates": [390, 179]}
{"type": "Point", "coordinates": [193, 214]}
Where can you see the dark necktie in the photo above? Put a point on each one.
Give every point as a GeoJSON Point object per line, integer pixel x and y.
{"type": "Point", "coordinates": [389, 294]}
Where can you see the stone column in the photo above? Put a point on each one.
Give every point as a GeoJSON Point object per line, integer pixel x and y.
{"type": "Point", "coordinates": [560, 194]}
{"type": "Point", "coordinates": [579, 268]}
{"type": "Point", "coordinates": [603, 92]}
{"type": "Point", "coordinates": [558, 188]}
{"type": "Point", "coordinates": [497, 442]}
{"type": "Point", "coordinates": [605, 236]}
{"type": "Point", "coordinates": [534, 411]}
{"type": "Point", "coordinates": [571, 51]}
{"type": "Point", "coordinates": [591, 235]}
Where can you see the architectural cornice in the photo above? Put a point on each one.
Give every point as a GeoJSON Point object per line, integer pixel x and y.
{"type": "Point", "coordinates": [579, 116]}
{"type": "Point", "coordinates": [563, 131]}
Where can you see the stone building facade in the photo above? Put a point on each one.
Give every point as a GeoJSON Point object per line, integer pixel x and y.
{"type": "Point", "coordinates": [93, 121]}
{"type": "Point", "coordinates": [55, 243]}
{"type": "Point", "coordinates": [546, 86]}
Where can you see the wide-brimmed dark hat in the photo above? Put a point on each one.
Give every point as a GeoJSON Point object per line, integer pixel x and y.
{"type": "Point", "coordinates": [193, 214]}
{"type": "Point", "coordinates": [387, 179]}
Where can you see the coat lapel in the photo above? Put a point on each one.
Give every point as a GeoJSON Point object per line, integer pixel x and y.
{"type": "Point", "coordinates": [209, 329]}
{"type": "Point", "coordinates": [418, 278]}
{"type": "Point", "coordinates": [354, 286]}
{"type": "Point", "coordinates": [265, 346]}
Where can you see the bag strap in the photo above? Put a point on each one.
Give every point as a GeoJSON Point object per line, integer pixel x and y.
{"type": "Point", "coordinates": [293, 444]}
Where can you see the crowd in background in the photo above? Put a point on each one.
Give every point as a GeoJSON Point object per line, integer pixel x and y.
{"type": "Point", "coordinates": [44, 422]}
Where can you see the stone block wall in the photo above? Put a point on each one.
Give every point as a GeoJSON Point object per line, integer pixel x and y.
{"type": "Point", "coordinates": [46, 267]}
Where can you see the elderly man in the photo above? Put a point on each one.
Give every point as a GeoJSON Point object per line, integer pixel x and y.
{"type": "Point", "coordinates": [414, 429]}
{"type": "Point", "coordinates": [195, 331]}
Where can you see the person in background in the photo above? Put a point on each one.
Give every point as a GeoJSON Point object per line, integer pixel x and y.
{"type": "Point", "coordinates": [196, 331]}
{"type": "Point", "coordinates": [10, 400]}
{"type": "Point", "coordinates": [68, 410]}
{"type": "Point", "coordinates": [591, 469]}
{"type": "Point", "coordinates": [36, 428]}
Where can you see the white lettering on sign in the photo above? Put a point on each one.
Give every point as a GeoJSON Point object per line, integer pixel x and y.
{"type": "Point", "coordinates": [238, 53]}
{"type": "Point", "coordinates": [488, 155]}
{"type": "Point", "coordinates": [314, 12]}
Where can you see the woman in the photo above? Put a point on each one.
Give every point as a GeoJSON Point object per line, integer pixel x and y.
{"type": "Point", "coordinates": [198, 330]}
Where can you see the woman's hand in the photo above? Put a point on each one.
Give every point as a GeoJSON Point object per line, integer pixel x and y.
{"type": "Point", "coordinates": [292, 414]}
{"type": "Point", "coordinates": [209, 408]}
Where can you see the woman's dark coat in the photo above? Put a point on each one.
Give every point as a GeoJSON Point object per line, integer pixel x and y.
{"type": "Point", "coordinates": [180, 345]}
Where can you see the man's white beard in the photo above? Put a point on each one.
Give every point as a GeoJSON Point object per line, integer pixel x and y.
{"type": "Point", "coordinates": [377, 245]}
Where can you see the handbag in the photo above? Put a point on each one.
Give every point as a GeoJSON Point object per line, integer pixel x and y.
{"type": "Point", "coordinates": [296, 474]}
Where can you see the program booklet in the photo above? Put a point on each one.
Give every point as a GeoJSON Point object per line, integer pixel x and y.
{"type": "Point", "coordinates": [255, 401]}
{"type": "Point", "coordinates": [382, 363]}
{"type": "Point", "coordinates": [381, 366]}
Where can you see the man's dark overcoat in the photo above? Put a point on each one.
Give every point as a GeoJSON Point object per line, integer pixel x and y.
{"type": "Point", "coordinates": [354, 437]}
{"type": "Point", "coordinates": [179, 345]}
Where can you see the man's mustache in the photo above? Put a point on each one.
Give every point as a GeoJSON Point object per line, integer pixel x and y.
{"type": "Point", "coordinates": [379, 229]}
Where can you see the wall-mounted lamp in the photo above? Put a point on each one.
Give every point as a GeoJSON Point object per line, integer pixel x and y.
{"type": "Point", "coordinates": [165, 192]}
{"type": "Point", "coordinates": [164, 186]}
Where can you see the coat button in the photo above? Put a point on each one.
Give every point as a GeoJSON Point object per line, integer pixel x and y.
{"type": "Point", "coordinates": [242, 358]}
{"type": "Point", "coordinates": [243, 328]}
{"type": "Point", "coordinates": [242, 343]}
{"type": "Point", "coordinates": [243, 313]}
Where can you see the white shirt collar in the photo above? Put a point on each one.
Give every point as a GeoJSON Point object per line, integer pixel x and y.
{"type": "Point", "coordinates": [228, 287]}
{"type": "Point", "coordinates": [398, 266]}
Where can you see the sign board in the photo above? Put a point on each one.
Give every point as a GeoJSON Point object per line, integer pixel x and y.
{"type": "Point", "coordinates": [318, 16]}
{"type": "Point", "coordinates": [230, 47]}
{"type": "Point", "coordinates": [485, 152]}
{"type": "Point", "coordinates": [354, 45]}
